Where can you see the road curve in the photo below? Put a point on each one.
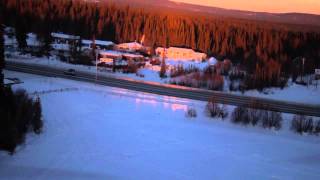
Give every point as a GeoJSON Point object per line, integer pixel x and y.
{"type": "Point", "coordinates": [170, 90]}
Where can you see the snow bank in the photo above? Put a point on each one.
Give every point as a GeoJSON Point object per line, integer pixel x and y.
{"type": "Point", "coordinates": [293, 93]}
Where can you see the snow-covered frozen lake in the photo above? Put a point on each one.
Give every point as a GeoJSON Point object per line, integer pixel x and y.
{"type": "Point", "coordinates": [98, 132]}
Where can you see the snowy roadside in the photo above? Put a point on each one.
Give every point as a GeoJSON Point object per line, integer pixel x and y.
{"type": "Point", "coordinates": [98, 132]}
{"type": "Point", "coordinates": [150, 73]}
{"type": "Point", "coordinates": [292, 93]}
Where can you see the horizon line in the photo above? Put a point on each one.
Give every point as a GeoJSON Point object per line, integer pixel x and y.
{"type": "Point", "coordinates": [248, 9]}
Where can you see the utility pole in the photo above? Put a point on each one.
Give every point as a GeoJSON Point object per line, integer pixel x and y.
{"type": "Point", "coordinates": [95, 51]}
{"type": "Point", "coordinates": [303, 62]}
{"type": "Point", "coordinates": [96, 65]}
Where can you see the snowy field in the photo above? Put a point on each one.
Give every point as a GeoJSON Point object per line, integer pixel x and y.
{"type": "Point", "coordinates": [97, 132]}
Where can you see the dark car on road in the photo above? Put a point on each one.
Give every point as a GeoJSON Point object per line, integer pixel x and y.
{"type": "Point", "coordinates": [70, 72]}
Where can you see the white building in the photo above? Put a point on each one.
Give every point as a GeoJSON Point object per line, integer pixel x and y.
{"type": "Point", "coordinates": [87, 44]}
{"type": "Point", "coordinates": [32, 40]}
{"type": "Point", "coordinates": [109, 57]}
{"type": "Point", "coordinates": [110, 54]}
{"type": "Point", "coordinates": [133, 57]}
{"type": "Point", "coordinates": [63, 41]}
{"type": "Point", "coordinates": [133, 46]}
{"type": "Point", "coordinates": [180, 54]}
{"type": "Point", "coordinates": [65, 38]}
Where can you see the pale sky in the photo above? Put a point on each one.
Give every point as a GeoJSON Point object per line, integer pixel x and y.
{"type": "Point", "coordinates": [274, 6]}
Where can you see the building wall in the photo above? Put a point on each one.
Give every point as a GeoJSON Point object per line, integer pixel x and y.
{"type": "Point", "coordinates": [130, 46]}
{"type": "Point", "coordinates": [181, 54]}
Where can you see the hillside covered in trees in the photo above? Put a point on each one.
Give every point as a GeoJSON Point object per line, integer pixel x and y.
{"type": "Point", "coordinates": [253, 44]}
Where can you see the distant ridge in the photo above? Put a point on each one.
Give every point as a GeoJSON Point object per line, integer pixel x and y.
{"type": "Point", "coordinates": [290, 18]}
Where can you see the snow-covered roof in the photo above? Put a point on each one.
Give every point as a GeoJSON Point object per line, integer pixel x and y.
{"type": "Point", "coordinates": [177, 49]}
{"type": "Point", "coordinates": [201, 54]}
{"type": "Point", "coordinates": [32, 35]}
{"type": "Point", "coordinates": [181, 49]}
{"type": "Point", "coordinates": [98, 42]}
{"type": "Point", "coordinates": [65, 36]}
{"type": "Point", "coordinates": [159, 48]}
{"type": "Point", "coordinates": [131, 45]}
{"type": "Point", "coordinates": [133, 55]}
{"type": "Point", "coordinates": [117, 53]}
{"type": "Point", "coordinates": [104, 43]}
{"type": "Point", "coordinates": [110, 53]}
{"type": "Point", "coordinates": [84, 41]}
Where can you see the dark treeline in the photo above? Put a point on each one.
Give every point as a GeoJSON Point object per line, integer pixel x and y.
{"type": "Point", "coordinates": [1, 53]}
{"type": "Point", "coordinates": [19, 113]}
{"type": "Point", "coordinates": [250, 43]}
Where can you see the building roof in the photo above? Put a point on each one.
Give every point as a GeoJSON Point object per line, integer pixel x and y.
{"type": "Point", "coordinates": [201, 54]}
{"type": "Point", "coordinates": [133, 55]}
{"type": "Point", "coordinates": [98, 42]}
{"type": "Point", "coordinates": [84, 41]}
{"type": "Point", "coordinates": [65, 36]}
{"type": "Point", "coordinates": [131, 45]}
{"type": "Point", "coordinates": [105, 43]}
{"type": "Point", "coordinates": [180, 49]}
{"type": "Point", "coordinates": [176, 49]}
{"type": "Point", "coordinates": [110, 53]}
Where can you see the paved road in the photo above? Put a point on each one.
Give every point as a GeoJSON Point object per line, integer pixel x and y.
{"type": "Point", "coordinates": [170, 90]}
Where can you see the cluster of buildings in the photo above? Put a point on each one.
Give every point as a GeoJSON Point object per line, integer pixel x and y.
{"type": "Point", "coordinates": [65, 42]}
{"type": "Point", "coordinates": [108, 51]}
{"type": "Point", "coordinates": [111, 54]}
{"type": "Point", "coordinates": [116, 58]}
